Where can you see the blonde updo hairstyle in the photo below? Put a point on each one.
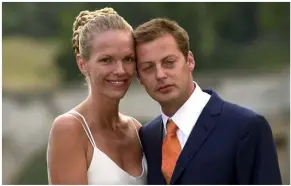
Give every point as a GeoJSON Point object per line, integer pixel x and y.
{"type": "Point", "coordinates": [88, 23]}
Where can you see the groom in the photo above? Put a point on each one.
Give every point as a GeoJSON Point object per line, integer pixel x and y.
{"type": "Point", "coordinates": [199, 138]}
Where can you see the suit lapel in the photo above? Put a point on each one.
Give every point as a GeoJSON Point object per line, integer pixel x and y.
{"type": "Point", "coordinates": [201, 131]}
{"type": "Point", "coordinates": [156, 143]}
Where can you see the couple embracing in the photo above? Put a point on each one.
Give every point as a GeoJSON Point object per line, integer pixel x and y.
{"type": "Point", "coordinates": [197, 139]}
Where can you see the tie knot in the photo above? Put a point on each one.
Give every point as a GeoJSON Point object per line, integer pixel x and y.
{"type": "Point", "coordinates": [171, 127]}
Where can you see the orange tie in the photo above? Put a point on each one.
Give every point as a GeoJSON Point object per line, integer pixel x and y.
{"type": "Point", "coordinates": [170, 151]}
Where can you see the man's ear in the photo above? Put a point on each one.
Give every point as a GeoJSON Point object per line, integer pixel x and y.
{"type": "Point", "coordinates": [190, 61]}
{"type": "Point", "coordinates": [82, 64]}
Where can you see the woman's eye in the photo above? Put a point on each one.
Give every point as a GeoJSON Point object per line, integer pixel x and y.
{"type": "Point", "coordinates": [129, 59]}
{"type": "Point", "coordinates": [106, 60]}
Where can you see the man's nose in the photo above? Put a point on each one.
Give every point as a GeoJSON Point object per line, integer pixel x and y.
{"type": "Point", "coordinates": [160, 73]}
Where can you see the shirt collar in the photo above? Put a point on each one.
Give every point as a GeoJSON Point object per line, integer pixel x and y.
{"type": "Point", "coordinates": [186, 117]}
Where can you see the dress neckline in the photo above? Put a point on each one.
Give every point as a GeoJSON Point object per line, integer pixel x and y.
{"type": "Point", "coordinates": [95, 149]}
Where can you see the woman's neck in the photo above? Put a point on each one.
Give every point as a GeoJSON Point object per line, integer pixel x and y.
{"type": "Point", "coordinates": [102, 112]}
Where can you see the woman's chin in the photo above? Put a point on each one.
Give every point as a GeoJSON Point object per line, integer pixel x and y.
{"type": "Point", "coordinates": [117, 95]}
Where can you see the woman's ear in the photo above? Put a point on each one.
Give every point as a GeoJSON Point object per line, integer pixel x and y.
{"type": "Point", "coordinates": [82, 64]}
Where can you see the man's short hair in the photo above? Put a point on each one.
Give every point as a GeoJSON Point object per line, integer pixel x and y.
{"type": "Point", "coordinates": [158, 27]}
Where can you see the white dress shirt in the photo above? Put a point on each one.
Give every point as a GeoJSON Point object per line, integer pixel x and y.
{"type": "Point", "coordinates": [187, 116]}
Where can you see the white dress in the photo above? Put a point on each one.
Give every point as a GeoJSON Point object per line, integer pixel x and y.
{"type": "Point", "coordinates": [104, 171]}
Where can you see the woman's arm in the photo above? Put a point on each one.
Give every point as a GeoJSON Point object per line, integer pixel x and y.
{"type": "Point", "coordinates": [66, 157]}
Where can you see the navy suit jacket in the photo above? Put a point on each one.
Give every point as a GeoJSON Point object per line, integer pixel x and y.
{"type": "Point", "coordinates": [229, 144]}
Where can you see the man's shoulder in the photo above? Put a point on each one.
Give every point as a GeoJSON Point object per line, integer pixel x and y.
{"type": "Point", "coordinates": [239, 111]}
{"type": "Point", "coordinates": [227, 108]}
{"type": "Point", "coordinates": [241, 116]}
{"type": "Point", "coordinates": [151, 124]}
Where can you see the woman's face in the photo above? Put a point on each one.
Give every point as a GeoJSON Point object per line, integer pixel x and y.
{"type": "Point", "coordinates": [111, 65]}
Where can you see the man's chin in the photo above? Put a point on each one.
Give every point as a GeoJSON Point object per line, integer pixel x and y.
{"type": "Point", "coordinates": [165, 100]}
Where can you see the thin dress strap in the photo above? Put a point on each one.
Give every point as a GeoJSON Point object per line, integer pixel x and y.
{"type": "Point", "coordinates": [132, 121]}
{"type": "Point", "coordinates": [86, 127]}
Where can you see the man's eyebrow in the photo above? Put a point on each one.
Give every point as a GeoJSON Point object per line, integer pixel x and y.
{"type": "Point", "coordinates": [169, 56]}
{"type": "Point", "coordinates": [164, 58]}
{"type": "Point", "coordinates": [145, 62]}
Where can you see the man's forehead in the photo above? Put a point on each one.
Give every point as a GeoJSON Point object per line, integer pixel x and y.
{"type": "Point", "coordinates": [157, 51]}
{"type": "Point", "coordinates": [162, 41]}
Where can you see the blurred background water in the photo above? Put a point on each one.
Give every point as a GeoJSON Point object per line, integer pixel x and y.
{"type": "Point", "coordinates": [242, 51]}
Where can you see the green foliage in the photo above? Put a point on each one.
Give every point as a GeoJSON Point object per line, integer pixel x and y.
{"type": "Point", "coordinates": [66, 62]}
{"type": "Point", "coordinates": [222, 35]}
{"type": "Point", "coordinates": [28, 63]}
{"type": "Point", "coordinates": [35, 172]}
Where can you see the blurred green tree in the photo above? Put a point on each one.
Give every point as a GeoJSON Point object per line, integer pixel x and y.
{"type": "Point", "coordinates": [249, 35]}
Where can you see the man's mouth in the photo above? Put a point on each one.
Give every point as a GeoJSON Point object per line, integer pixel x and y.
{"type": "Point", "coordinates": [164, 88]}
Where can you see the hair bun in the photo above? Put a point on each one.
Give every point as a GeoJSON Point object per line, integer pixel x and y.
{"type": "Point", "coordinates": [107, 10]}
{"type": "Point", "coordinates": [104, 19]}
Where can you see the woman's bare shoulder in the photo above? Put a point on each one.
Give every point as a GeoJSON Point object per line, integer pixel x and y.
{"type": "Point", "coordinates": [65, 153]}
{"type": "Point", "coordinates": [67, 123]}
{"type": "Point", "coordinates": [66, 128]}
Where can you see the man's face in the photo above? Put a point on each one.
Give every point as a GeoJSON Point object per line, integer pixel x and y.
{"type": "Point", "coordinates": [164, 71]}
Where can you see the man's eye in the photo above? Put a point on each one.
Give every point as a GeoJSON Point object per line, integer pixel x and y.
{"type": "Point", "coordinates": [169, 63]}
{"type": "Point", "coordinates": [147, 68]}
